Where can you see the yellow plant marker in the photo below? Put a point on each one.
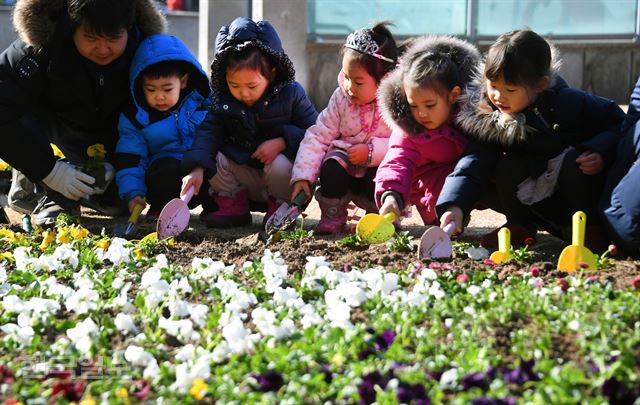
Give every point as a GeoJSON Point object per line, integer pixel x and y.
{"type": "Point", "coordinates": [577, 255]}
{"type": "Point", "coordinates": [504, 247]}
{"type": "Point", "coordinates": [375, 228]}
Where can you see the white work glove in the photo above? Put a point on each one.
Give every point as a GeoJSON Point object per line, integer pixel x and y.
{"type": "Point", "coordinates": [68, 181]}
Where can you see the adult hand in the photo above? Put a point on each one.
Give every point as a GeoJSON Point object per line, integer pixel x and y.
{"type": "Point", "coordinates": [68, 181]}
{"type": "Point", "coordinates": [358, 154]}
{"type": "Point", "coordinates": [590, 162]}
{"type": "Point", "coordinates": [194, 179]}
{"type": "Point", "coordinates": [390, 204]}
{"type": "Point", "coordinates": [453, 214]}
{"type": "Point", "coordinates": [137, 200]}
{"type": "Point", "coordinates": [268, 150]}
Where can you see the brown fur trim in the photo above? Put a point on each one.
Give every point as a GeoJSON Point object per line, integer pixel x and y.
{"type": "Point", "coordinates": [35, 21]}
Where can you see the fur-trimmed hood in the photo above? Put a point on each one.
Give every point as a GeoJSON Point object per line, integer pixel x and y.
{"type": "Point", "coordinates": [479, 119]}
{"type": "Point", "coordinates": [391, 97]}
{"type": "Point", "coordinates": [36, 21]}
{"type": "Point", "coordinates": [241, 34]}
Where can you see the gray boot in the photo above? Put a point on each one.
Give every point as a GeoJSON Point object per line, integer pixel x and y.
{"type": "Point", "coordinates": [23, 195]}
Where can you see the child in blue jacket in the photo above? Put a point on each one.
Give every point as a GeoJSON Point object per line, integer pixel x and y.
{"type": "Point", "coordinates": [621, 199]}
{"type": "Point", "coordinates": [170, 98]}
{"type": "Point", "coordinates": [246, 146]}
{"type": "Point", "coordinates": [538, 149]}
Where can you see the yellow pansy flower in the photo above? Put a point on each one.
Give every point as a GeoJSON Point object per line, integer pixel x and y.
{"type": "Point", "coordinates": [79, 233]}
{"type": "Point", "coordinates": [47, 238]}
{"type": "Point", "coordinates": [139, 253]}
{"type": "Point", "coordinates": [103, 244]}
{"type": "Point", "coordinates": [96, 151]}
{"type": "Point", "coordinates": [4, 165]}
{"type": "Point", "coordinates": [63, 236]}
{"type": "Point", "coordinates": [88, 400]}
{"type": "Point", "coordinates": [6, 255]}
{"type": "Point", "coordinates": [198, 388]}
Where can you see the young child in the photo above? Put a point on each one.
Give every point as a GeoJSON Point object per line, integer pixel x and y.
{"type": "Point", "coordinates": [544, 145]}
{"type": "Point", "coordinates": [419, 101]}
{"type": "Point", "coordinates": [170, 97]}
{"type": "Point", "coordinates": [349, 140]}
{"type": "Point", "coordinates": [621, 200]}
{"type": "Point", "coordinates": [248, 141]}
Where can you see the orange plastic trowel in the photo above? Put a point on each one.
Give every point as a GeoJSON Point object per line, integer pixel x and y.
{"type": "Point", "coordinates": [577, 255]}
{"type": "Point", "coordinates": [504, 247]}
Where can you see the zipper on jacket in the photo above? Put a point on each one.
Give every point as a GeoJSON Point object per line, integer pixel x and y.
{"type": "Point", "coordinates": [101, 80]}
{"type": "Point", "coordinates": [540, 117]}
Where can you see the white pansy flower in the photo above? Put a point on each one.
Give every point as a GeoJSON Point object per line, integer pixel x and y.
{"type": "Point", "coordinates": [3, 275]}
{"type": "Point", "coordinates": [186, 373]}
{"type": "Point", "coordinates": [17, 333]}
{"type": "Point", "coordinates": [486, 283]}
{"type": "Point", "coordinates": [178, 308]}
{"type": "Point", "coordinates": [310, 316]}
{"type": "Point", "coordinates": [117, 283]}
{"type": "Point", "coordinates": [22, 256]}
{"type": "Point", "coordinates": [473, 290]}
{"type": "Point", "coordinates": [150, 277]}
{"type": "Point", "coordinates": [67, 253]}
{"type": "Point", "coordinates": [436, 291]}
{"type": "Point", "coordinates": [221, 352]}
{"type": "Point", "coordinates": [156, 293]}
{"type": "Point", "coordinates": [125, 323]}
{"type": "Point", "coordinates": [198, 314]}
{"type": "Point", "coordinates": [449, 378]}
{"type": "Point", "coordinates": [238, 338]}
{"type": "Point", "coordinates": [288, 297]}
{"type": "Point", "coordinates": [13, 303]}
{"type": "Point", "coordinates": [574, 325]}
{"type": "Point", "coordinates": [82, 335]}
{"type": "Point", "coordinates": [206, 269]}
{"type": "Point", "coordinates": [477, 253]}
{"type": "Point", "coordinates": [182, 329]}
{"type": "Point", "coordinates": [161, 261]}
{"type": "Point", "coordinates": [117, 253]}
{"type": "Point", "coordinates": [56, 289]}
{"type": "Point", "coordinates": [137, 356]}
{"type": "Point", "coordinates": [184, 286]}
{"type": "Point", "coordinates": [82, 301]}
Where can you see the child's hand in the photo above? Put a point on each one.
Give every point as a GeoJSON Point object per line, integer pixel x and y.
{"type": "Point", "coordinates": [358, 154]}
{"type": "Point", "coordinates": [192, 179]}
{"type": "Point", "coordinates": [390, 205]}
{"type": "Point", "coordinates": [453, 214]}
{"type": "Point", "coordinates": [137, 200]}
{"type": "Point", "coordinates": [268, 150]}
{"type": "Point", "coordinates": [590, 162]}
{"type": "Point", "coordinates": [301, 185]}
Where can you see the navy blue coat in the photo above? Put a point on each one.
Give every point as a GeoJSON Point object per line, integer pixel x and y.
{"type": "Point", "coordinates": [147, 135]}
{"type": "Point", "coordinates": [560, 117]}
{"type": "Point", "coordinates": [237, 130]}
{"type": "Point", "coordinates": [621, 199]}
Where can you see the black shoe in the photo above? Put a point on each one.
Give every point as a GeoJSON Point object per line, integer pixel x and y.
{"type": "Point", "coordinates": [23, 196]}
{"type": "Point", "coordinates": [47, 211]}
{"type": "Point", "coordinates": [103, 206]}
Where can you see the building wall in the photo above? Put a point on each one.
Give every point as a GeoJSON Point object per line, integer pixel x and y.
{"type": "Point", "coordinates": [606, 69]}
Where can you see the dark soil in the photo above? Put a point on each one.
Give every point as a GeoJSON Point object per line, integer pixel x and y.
{"type": "Point", "coordinates": [238, 245]}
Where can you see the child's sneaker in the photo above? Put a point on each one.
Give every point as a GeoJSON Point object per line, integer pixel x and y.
{"type": "Point", "coordinates": [520, 236]}
{"type": "Point", "coordinates": [233, 210]}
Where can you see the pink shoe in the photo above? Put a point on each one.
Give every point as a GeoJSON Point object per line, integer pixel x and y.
{"type": "Point", "coordinates": [333, 214]}
{"type": "Point", "coordinates": [233, 210]}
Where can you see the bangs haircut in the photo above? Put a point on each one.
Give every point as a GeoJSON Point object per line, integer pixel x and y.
{"type": "Point", "coordinates": [520, 57]}
{"type": "Point", "coordinates": [169, 68]}
{"type": "Point", "coordinates": [250, 58]}
{"type": "Point", "coordinates": [103, 18]}
{"type": "Point", "coordinates": [375, 67]}
{"type": "Point", "coordinates": [435, 71]}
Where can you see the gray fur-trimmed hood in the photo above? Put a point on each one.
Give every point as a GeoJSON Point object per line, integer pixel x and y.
{"type": "Point", "coordinates": [391, 97]}
{"type": "Point", "coordinates": [36, 21]}
{"type": "Point", "coordinates": [479, 119]}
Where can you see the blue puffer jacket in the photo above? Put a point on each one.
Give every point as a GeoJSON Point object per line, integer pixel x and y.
{"type": "Point", "coordinates": [147, 135]}
{"type": "Point", "coordinates": [236, 129]}
{"type": "Point", "coordinates": [621, 199]}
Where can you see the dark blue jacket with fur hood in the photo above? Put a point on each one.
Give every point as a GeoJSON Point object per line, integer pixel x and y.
{"type": "Point", "coordinates": [237, 130]}
{"type": "Point", "coordinates": [560, 117]}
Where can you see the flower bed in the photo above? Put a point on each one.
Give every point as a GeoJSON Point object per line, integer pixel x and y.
{"type": "Point", "coordinates": [92, 319]}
